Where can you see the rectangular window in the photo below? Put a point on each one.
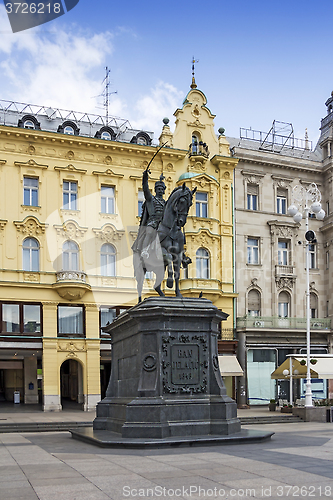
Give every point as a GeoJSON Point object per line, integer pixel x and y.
{"type": "Point", "coordinates": [283, 309]}
{"type": "Point", "coordinates": [70, 195]}
{"type": "Point", "coordinates": [11, 318]}
{"type": "Point", "coordinates": [201, 204]}
{"type": "Point", "coordinates": [21, 318]}
{"type": "Point", "coordinates": [107, 200]}
{"type": "Point", "coordinates": [327, 260]}
{"type": "Point", "coordinates": [30, 191]}
{"type": "Point", "coordinates": [141, 199]}
{"type": "Point", "coordinates": [70, 321]}
{"type": "Point", "coordinates": [252, 197]}
{"type": "Point", "coordinates": [281, 201]}
{"type": "Point", "coordinates": [31, 318]}
{"type": "Point", "coordinates": [312, 256]}
{"type": "Point", "coordinates": [252, 251]}
{"type": "Point", "coordinates": [108, 315]}
{"type": "Point", "coordinates": [283, 253]}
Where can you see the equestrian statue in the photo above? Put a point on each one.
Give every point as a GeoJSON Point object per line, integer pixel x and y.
{"type": "Point", "coordinates": [160, 241]}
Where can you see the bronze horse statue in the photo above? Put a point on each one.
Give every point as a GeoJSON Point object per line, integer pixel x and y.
{"type": "Point", "coordinates": [167, 249]}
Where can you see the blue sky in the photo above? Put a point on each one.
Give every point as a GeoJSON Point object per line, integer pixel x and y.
{"type": "Point", "coordinates": [258, 61]}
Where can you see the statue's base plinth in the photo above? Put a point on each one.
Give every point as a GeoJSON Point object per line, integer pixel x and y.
{"type": "Point", "coordinates": [107, 439]}
{"type": "Point", "coordinates": [165, 379]}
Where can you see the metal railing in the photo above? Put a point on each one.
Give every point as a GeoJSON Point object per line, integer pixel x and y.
{"type": "Point", "coordinates": [227, 334]}
{"type": "Point", "coordinates": [274, 322]}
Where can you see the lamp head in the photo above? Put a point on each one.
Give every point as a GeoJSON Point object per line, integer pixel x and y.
{"type": "Point", "coordinates": [321, 214]}
{"type": "Point", "coordinates": [292, 210]}
{"type": "Point", "coordinates": [297, 217]}
{"type": "Point", "coordinates": [316, 207]}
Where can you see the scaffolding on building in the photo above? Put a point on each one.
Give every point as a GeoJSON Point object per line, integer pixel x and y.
{"type": "Point", "coordinates": [279, 137]}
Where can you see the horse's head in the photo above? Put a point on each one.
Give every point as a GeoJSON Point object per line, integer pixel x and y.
{"type": "Point", "coordinates": [182, 204]}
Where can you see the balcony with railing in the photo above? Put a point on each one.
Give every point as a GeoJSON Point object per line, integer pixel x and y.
{"type": "Point", "coordinates": [71, 285]}
{"type": "Point", "coordinates": [276, 323]}
{"type": "Point", "coordinates": [284, 271]}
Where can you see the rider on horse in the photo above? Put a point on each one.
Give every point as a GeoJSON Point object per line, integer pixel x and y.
{"type": "Point", "coordinates": [152, 214]}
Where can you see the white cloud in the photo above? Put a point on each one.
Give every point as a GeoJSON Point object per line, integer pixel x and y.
{"type": "Point", "coordinates": [64, 68]}
{"type": "Point", "coordinates": [56, 68]}
{"type": "Point", "coordinates": [162, 101]}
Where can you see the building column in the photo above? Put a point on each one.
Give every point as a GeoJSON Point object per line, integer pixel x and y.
{"type": "Point", "coordinates": [92, 384]}
{"type": "Point", "coordinates": [51, 370]}
{"type": "Point", "coordinates": [30, 380]}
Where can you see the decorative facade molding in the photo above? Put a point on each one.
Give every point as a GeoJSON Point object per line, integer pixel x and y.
{"type": "Point", "coordinates": [252, 177]}
{"type": "Point", "coordinates": [30, 226]}
{"type": "Point", "coordinates": [283, 283]}
{"type": "Point", "coordinates": [71, 168]}
{"type": "Point", "coordinates": [72, 348]}
{"type": "Point", "coordinates": [70, 230]}
{"type": "Point", "coordinates": [3, 222]}
{"type": "Point", "coordinates": [109, 173]}
{"type": "Point", "coordinates": [30, 163]}
{"type": "Point", "coordinates": [109, 233]}
{"type": "Point", "coordinates": [282, 229]}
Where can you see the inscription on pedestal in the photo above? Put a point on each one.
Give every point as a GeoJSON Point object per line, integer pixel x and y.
{"type": "Point", "coordinates": [185, 364]}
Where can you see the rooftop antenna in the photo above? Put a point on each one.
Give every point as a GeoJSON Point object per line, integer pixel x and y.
{"type": "Point", "coordinates": [193, 84]}
{"type": "Point", "coordinates": [106, 93]}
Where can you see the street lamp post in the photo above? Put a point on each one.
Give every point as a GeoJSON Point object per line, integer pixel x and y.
{"type": "Point", "coordinates": [306, 201]}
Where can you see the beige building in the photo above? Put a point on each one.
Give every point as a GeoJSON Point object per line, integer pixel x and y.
{"type": "Point", "coordinates": [69, 213]}
{"type": "Point", "coordinates": [270, 255]}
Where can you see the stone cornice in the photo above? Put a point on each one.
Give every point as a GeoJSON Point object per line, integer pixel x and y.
{"type": "Point", "coordinates": [286, 162]}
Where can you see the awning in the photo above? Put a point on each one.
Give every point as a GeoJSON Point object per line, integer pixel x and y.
{"type": "Point", "coordinates": [229, 366]}
{"type": "Point", "coordinates": [322, 369]}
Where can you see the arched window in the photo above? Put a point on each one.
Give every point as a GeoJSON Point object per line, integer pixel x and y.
{"type": "Point", "coordinates": [70, 256]}
{"type": "Point", "coordinates": [106, 136]}
{"type": "Point", "coordinates": [69, 130]}
{"type": "Point", "coordinates": [29, 124]}
{"type": "Point", "coordinates": [314, 305]}
{"type": "Point", "coordinates": [108, 260]}
{"type": "Point", "coordinates": [195, 144]}
{"type": "Point", "coordinates": [30, 254]}
{"type": "Point", "coordinates": [284, 305]}
{"type": "Point", "coordinates": [202, 262]}
{"type": "Point", "coordinates": [253, 303]}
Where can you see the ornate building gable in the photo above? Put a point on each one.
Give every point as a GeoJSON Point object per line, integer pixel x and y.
{"type": "Point", "coordinates": [70, 230]}
{"type": "Point", "coordinates": [30, 226]}
{"type": "Point", "coordinates": [109, 233]}
{"type": "Point", "coordinates": [195, 118]}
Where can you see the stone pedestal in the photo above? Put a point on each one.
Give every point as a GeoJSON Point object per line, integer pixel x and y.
{"type": "Point", "coordinates": [165, 379]}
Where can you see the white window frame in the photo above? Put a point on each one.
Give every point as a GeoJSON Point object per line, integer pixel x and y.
{"type": "Point", "coordinates": [30, 190]}
{"type": "Point", "coordinates": [108, 199]}
{"type": "Point", "coordinates": [30, 255]}
{"type": "Point", "coordinates": [201, 206]}
{"type": "Point", "coordinates": [281, 205]}
{"type": "Point", "coordinates": [108, 260]}
{"type": "Point", "coordinates": [203, 271]}
{"type": "Point", "coordinates": [29, 124]}
{"type": "Point", "coordinates": [251, 257]}
{"type": "Point", "coordinates": [141, 200]}
{"type": "Point", "coordinates": [70, 252]}
{"type": "Point", "coordinates": [283, 253]}
{"type": "Point", "coordinates": [72, 192]}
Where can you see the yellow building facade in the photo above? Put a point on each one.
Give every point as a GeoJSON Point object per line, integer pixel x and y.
{"type": "Point", "coordinates": [71, 194]}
